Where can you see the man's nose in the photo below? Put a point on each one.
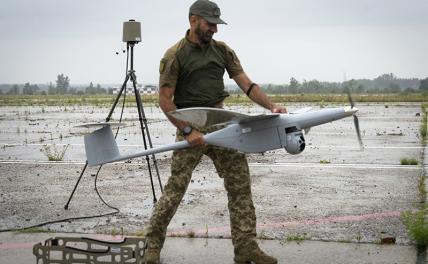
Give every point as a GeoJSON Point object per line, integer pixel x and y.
{"type": "Point", "coordinates": [213, 28]}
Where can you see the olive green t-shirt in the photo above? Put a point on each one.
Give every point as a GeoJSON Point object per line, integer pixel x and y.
{"type": "Point", "coordinates": [197, 72]}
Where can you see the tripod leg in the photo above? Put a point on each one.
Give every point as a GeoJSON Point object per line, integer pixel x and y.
{"type": "Point", "coordinates": [155, 163]}
{"type": "Point", "coordinates": [117, 98]}
{"type": "Point", "coordinates": [143, 126]}
{"type": "Point", "coordinates": [107, 119]}
{"type": "Point", "coordinates": [75, 186]}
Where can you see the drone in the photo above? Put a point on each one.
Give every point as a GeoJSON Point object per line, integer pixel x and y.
{"type": "Point", "coordinates": [242, 132]}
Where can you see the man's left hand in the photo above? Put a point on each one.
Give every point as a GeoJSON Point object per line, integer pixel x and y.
{"type": "Point", "coordinates": [279, 109]}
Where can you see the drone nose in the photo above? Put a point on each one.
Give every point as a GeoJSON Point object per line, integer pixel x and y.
{"type": "Point", "coordinates": [350, 110]}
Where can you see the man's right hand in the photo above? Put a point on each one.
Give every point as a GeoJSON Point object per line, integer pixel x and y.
{"type": "Point", "coordinates": [195, 138]}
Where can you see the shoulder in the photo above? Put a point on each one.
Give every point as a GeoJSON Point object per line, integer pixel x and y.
{"type": "Point", "coordinates": [173, 50]}
{"type": "Point", "coordinates": [222, 45]}
{"type": "Point", "coordinates": [233, 65]}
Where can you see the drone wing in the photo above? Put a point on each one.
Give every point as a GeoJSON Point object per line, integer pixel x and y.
{"type": "Point", "coordinates": [101, 125]}
{"type": "Point", "coordinates": [301, 110]}
{"type": "Point", "coordinates": [207, 116]}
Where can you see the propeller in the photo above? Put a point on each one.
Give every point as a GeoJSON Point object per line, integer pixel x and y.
{"type": "Point", "coordinates": [356, 123]}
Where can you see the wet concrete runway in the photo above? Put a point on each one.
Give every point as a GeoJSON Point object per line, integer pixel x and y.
{"type": "Point", "coordinates": [332, 191]}
{"type": "Point", "coordinates": [214, 251]}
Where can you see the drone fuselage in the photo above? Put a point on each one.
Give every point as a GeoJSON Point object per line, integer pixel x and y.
{"type": "Point", "coordinates": [248, 134]}
{"type": "Point", "coordinates": [273, 132]}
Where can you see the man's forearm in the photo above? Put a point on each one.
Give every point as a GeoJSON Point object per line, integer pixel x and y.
{"type": "Point", "coordinates": [195, 138]}
{"type": "Point", "coordinates": [167, 105]}
{"type": "Point", "coordinates": [256, 93]}
{"type": "Point", "coordinates": [259, 97]}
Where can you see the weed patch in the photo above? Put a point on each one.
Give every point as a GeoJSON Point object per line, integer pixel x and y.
{"type": "Point", "coordinates": [32, 230]}
{"type": "Point", "coordinates": [294, 237]}
{"type": "Point", "coordinates": [412, 161]}
{"type": "Point", "coordinates": [415, 221]}
{"type": "Point", "coordinates": [416, 226]}
{"type": "Point", "coordinates": [263, 235]}
{"type": "Point", "coordinates": [424, 125]}
{"type": "Point", "coordinates": [53, 153]}
{"type": "Point", "coordinates": [191, 234]}
{"type": "Point", "coordinates": [422, 189]}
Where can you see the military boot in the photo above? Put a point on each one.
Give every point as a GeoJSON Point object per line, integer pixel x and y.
{"type": "Point", "coordinates": [151, 256]}
{"type": "Point", "coordinates": [256, 255]}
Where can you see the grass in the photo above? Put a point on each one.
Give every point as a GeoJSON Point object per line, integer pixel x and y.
{"type": "Point", "coordinates": [107, 100]}
{"type": "Point", "coordinates": [411, 161]}
{"type": "Point", "coordinates": [53, 153]}
{"type": "Point", "coordinates": [335, 98]}
{"type": "Point", "coordinates": [32, 230]}
{"type": "Point", "coordinates": [416, 221]}
{"type": "Point", "coordinates": [115, 232]}
{"type": "Point", "coordinates": [424, 125]}
{"type": "Point", "coordinates": [294, 237]}
{"type": "Point", "coordinates": [141, 233]}
{"type": "Point", "coordinates": [324, 162]}
{"type": "Point", "coordinates": [417, 226]}
{"type": "Point", "coordinates": [67, 100]}
{"type": "Point", "coordinates": [206, 231]}
{"type": "Point", "coordinates": [263, 235]}
{"type": "Point", "coordinates": [191, 234]}
{"type": "Point", "coordinates": [359, 237]}
{"type": "Point", "coordinates": [422, 189]}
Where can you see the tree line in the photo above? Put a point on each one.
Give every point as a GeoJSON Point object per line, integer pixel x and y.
{"type": "Point", "coordinates": [62, 86]}
{"type": "Point", "coordinates": [385, 83]}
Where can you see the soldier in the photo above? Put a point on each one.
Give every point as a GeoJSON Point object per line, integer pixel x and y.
{"type": "Point", "coordinates": [191, 75]}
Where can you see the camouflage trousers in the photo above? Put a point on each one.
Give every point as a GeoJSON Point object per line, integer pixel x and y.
{"type": "Point", "coordinates": [232, 166]}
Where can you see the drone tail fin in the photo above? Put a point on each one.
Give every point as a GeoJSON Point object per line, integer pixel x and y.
{"type": "Point", "coordinates": [101, 147]}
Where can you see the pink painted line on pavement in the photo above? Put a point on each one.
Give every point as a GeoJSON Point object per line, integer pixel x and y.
{"type": "Point", "coordinates": [25, 245]}
{"type": "Point", "coordinates": [217, 231]}
{"type": "Point", "coordinates": [11, 246]}
{"type": "Point", "coordinates": [333, 219]}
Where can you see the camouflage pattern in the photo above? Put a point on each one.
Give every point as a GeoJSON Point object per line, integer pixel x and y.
{"type": "Point", "coordinates": [197, 74]}
{"type": "Point", "coordinates": [232, 166]}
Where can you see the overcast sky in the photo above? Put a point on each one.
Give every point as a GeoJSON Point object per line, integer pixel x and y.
{"type": "Point", "coordinates": [327, 40]}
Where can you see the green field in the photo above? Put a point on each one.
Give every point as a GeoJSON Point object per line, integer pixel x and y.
{"type": "Point", "coordinates": [107, 100]}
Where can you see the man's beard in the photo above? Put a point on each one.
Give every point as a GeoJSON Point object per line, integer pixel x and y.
{"type": "Point", "coordinates": [204, 37]}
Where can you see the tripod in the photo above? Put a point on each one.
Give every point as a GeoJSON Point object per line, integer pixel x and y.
{"type": "Point", "coordinates": [143, 125]}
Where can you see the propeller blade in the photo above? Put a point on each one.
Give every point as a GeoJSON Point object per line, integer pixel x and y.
{"type": "Point", "coordinates": [357, 128]}
{"type": "Point", "coordinates": [351, 102]}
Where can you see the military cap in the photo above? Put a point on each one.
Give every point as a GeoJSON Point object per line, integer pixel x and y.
{"type": "Point", "coordinates": [208, 10]}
